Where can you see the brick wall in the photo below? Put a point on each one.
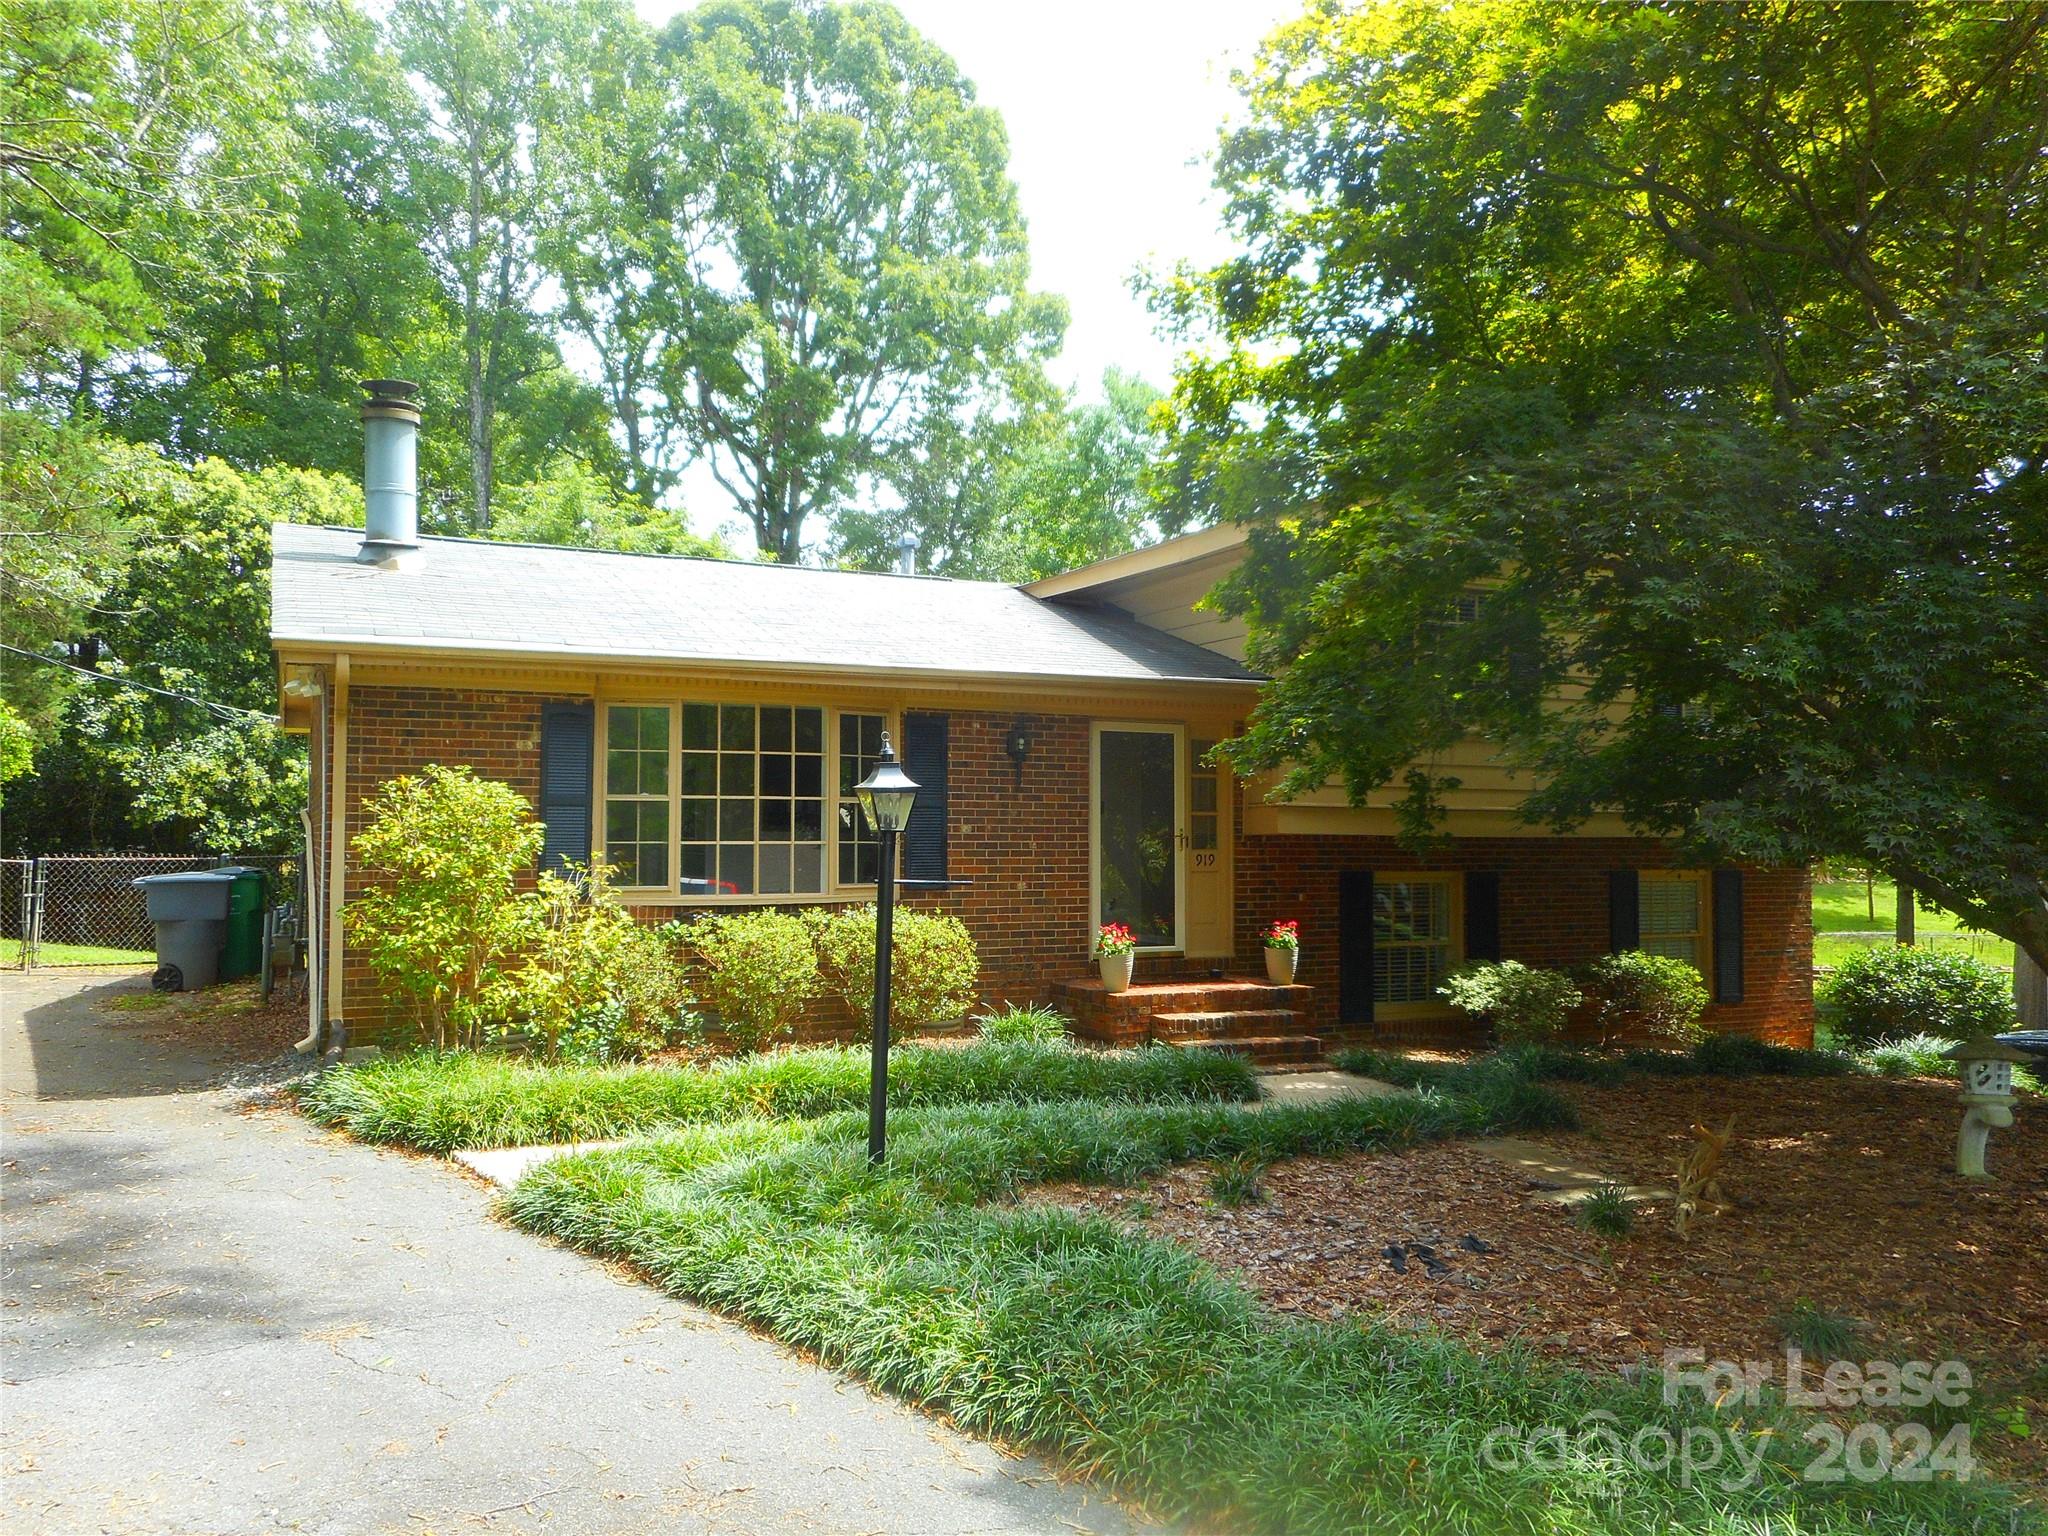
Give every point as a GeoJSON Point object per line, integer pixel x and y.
{"type": "Point", "coordinates": [1553, 912]}
{"type": "Point", "coordinates": [1019, 842]}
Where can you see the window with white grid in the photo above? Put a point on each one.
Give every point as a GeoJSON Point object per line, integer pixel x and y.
{"type": "Point", "coordinates": [1411, 938]}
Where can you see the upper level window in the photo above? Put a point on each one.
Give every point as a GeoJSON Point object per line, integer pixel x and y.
{"type": "Point", "coordinates": [1411, 938]}
{"type": "Point", "coordinates": [1672, 914]}
{"type": "Point", "coordinates": [860, 748]}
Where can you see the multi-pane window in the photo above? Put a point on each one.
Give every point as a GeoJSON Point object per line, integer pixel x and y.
{"type": "Point", "coordinates": [1671, 915]}
{"type": "Point", "coordinates": [1204, 782]}
{"type": "Point", "coordinates": [752, 807]}
{"type": "Point", "coordinates": [636, 798]}
{"type": "Point", "coordinates": [860, 748]}
{"type": "Point", "coordinates": [1411, 938]}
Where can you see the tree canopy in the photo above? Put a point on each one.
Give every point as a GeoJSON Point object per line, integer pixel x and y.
{"type": "Point", "coordinates": [1708, 342]}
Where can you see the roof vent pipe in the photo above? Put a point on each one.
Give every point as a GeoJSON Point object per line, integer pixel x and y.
{"type": "Point", "coordinates": [391, 479]}
{"type": "Point", "coordinates": [906, 554]}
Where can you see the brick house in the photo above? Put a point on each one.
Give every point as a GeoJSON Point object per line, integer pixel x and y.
{"type": "Point", "coordinates": [700, 725]}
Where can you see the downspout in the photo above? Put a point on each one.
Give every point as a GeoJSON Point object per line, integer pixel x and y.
{"type": "Point", "coordinates": [311, 820]}
{"type": "Point", "coordinates": [337, 857]}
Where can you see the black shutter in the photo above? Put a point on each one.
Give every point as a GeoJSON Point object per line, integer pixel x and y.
{"type": "Point", "coordinates": [1354, 946]}
{"type": "Point", "coordinates": [1727, 935]}
{"type": "Point", "coordinates": [567, 748]}
{"type": "Point", "coordinates": [924, 759]}
{"type": "Point", "coordinates": [1624, 911]}
{"type": "Point", "coordinates": [1482, 916]}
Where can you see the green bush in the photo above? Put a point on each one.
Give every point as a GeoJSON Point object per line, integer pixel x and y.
{"type": "Point", "coordinates": [757, 970]}
{"type": "Point", "coordinates": [932, 964]}
{"type": "Point", "coordinates": [597, 985]}
{"type": "Point", "coordinates": [445, 922]}
{"type": "Point", "coordinates": [437, 1103]}
{"type": "Point", "coordinates": [1894, 991]}
{"type": "Point", "coordinates": [1521, 1003]}
{"type": "Point", "coordinates": [1011, 1022]}
{"type": "Point", "coordinates": [1634, 993]}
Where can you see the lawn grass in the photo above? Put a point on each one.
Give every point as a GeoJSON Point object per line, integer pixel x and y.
{"type": "Point", "coordinates": [75, 954]}
{"type": "Point", "coordinates": [1134, 1361]}
{"type": "Point", "coordinates": [437, 1103]}
{"type": "Point", "coordinates": [1840, 908]}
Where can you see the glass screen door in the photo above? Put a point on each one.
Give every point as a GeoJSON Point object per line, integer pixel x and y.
{"type": "Point", "coordinates": [1137, 825]}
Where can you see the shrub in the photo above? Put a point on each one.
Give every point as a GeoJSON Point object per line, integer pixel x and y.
{"type": "Point", "coordinates": [932, 964]}
{"type": "Point", "coordinates": [1895, 991]}
{"type": "Point", "coordinates": [1634, 993]}
{"type": "Point", "coordinates": [757, 969]}
{"type": "Point", "coordinates": [442, 930]}
{"type": "Point", "coordinates": [1522, 1003]}
{"type": "Point", "coordinates": [597, 985]}
{"type": "Point", "coordinates": [1009, 1022]}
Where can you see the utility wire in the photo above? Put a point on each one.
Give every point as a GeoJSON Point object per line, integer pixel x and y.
{"type": "Point", "coordinates": [222, 711]}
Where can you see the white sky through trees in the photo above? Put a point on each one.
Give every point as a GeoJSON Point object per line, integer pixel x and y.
{"type": "Point", "coordinates": [1113, 108]}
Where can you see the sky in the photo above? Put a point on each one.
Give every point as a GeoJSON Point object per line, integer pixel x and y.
{"type": "Point", "coordinates": [1112, 108]}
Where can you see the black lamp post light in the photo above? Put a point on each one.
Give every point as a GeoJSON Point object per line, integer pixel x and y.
{"type": "Point", "coordinates": [885, 797]}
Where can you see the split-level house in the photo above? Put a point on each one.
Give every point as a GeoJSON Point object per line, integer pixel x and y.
{"type": "Point", "coordinates": [700, 725]}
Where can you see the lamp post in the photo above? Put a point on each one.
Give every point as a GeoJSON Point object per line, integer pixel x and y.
{"type": "Point", "coordinates": [885, 797]}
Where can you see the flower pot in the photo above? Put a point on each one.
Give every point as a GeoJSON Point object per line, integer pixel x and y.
{"type": "Point", "coordinates": [1116, 970]}
{"type": "Point", "coordinates": [1280, 964]}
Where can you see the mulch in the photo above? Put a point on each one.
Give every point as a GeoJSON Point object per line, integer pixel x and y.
{"type": "Point", "coordinates": [231, 1020]}
{"type": "Point", "coordinates": [1846, 1199]}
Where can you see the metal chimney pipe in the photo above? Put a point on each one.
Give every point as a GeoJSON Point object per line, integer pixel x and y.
{"type": "Point", "coordinates": [391, 479]}
{"type": "Point", "coordinates": [906, 554]}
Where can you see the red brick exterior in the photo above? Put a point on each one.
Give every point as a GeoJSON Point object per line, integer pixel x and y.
{"type": "Point", "coordinates": [1018, 840]}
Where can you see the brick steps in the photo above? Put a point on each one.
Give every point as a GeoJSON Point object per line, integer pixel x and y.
{"type": "Point", "coordinates": [1238, 1014]}
{"type": "Point", "coordinates": [1223, 1025]}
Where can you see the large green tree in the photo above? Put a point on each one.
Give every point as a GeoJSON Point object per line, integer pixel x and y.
{"type": "Point", "coordinates": [1025, 492]}
{"type": "Point", "coordinates": [1715, 337]}
{"type": "Point", "coordinates": [843, 266]}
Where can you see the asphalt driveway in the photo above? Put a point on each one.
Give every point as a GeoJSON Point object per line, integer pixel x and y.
{"type": "Point", "coordinates": [218, 1319]}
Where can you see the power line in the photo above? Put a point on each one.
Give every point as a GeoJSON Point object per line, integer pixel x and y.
{"type": "Point", "coordinates": [222, 711]}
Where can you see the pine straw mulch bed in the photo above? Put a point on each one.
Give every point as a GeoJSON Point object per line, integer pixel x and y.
{"type": "Point", "coordinates": [1847, 1200]}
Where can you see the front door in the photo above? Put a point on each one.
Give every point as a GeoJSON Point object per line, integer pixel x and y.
{"type": "Point", "coordinates": [1208, 843]}
{"type": "Point", "coordinates": [1138, 822]}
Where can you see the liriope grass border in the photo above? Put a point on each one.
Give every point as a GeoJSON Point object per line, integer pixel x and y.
{"type": "Point", "coordinates": [1129, 1358]}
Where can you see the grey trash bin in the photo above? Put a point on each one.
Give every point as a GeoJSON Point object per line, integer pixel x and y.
{"type": "Point", "coordinates": [191, 916]}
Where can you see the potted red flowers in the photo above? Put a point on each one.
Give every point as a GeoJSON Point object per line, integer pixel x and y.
{"type": "Point", "coordinates": [1116, 951]}
{"type": "Point", "coordinates": [1282, 939]}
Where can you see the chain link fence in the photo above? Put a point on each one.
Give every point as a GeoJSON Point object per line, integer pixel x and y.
{"type": "Point", "coordinates": [84, 909]}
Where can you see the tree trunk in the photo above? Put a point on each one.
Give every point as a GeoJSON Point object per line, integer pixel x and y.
{"type": "Point", "coordinates": [2030, 990]}
{"type": "Point", "coordinates": [1902, 922]}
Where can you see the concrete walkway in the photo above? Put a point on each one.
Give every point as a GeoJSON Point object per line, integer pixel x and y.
{"type": "Point", "coordinates": [220, 1320]}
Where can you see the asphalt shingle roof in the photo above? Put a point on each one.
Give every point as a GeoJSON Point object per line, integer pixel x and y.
{"type": "Point", "coordinates": [473, 595]}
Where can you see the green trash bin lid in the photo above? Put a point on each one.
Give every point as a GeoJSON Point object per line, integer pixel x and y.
{"type": "Point", "coordinates": [245, 894]}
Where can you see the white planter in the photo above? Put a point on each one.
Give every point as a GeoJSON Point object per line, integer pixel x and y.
{"type": "Point", "coordinates": [1280, 965]}
{"type": "Point", "coordinates": [1116, 970]}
